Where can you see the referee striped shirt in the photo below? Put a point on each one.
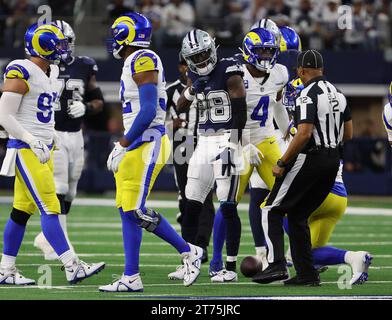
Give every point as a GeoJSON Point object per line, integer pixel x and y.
{"type": "Point", "coordinates": [321, 104]}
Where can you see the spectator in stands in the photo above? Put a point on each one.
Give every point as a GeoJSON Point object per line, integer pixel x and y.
{"type": "Point", "coordinates": [328, 27]}
{"type": "Point", "coordinates": [22, 15]}
{"type": "Point", "coordinates": [4, 11]}
{"type": "Point", "coordinates": [279, 12]}
{"type": "Point", "coordinates": [256, 10]}
{"type": "Point", "coordinates": [355, 38]}
{"type": "Point", "coordinates": [178, 18]}
{"type": "Point", "coordinates": [117, 8]}
{"type": "Point", "coordinates": [61, 8]}
{"type": "Point", "coordinates": [304, 21]}
{"type": "Point", "coordinates": [383, 24]}
{"type": "Point", "coordinates": [153, 11]}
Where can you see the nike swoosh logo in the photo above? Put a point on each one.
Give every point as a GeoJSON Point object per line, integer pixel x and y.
{"type": "Point", "coordinates": [271, 142]}
{"type": "Point", "coordinates": [142, 62]}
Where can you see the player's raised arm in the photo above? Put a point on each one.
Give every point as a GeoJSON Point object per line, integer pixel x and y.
{"type": "Point", "coordinates": [237, 94]}
{"type": "Point", "coordinates": [186, 98]}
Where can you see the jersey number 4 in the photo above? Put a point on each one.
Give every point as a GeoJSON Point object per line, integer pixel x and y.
{"type": "Point", "coordinates": [263, 106]}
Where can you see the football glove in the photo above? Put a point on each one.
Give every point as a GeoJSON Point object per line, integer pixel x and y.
{"type": "Point", "coordinates": [40, 150]}
{"type": "Point", "coordinates": [228, 163]}
{"type": "Point", "coordinates": [76, 109]}
{"type": "Point", "coordinates": [253, 154]}
{"type": "Point", "coordinates": [115, 157]}
{"type": "Point", "coordinates": [199, 85]}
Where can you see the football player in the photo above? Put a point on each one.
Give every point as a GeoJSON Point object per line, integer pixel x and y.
{"type": "Point", "coordinates": [387, 115]}
{"type": "Point", "coordinates": [264, 81]}
{"type": "Point", "coordinates": [142, 152]}
{"type": "Point", "coordinates": [218, 87]}
{"type": "Point", "coordinates": [78, 95]}
{"type": "Point", "coordinates": [26, 114]}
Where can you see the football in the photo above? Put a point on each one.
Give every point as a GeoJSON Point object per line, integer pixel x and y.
{"type": "Point", "coordinates": [250, 265]}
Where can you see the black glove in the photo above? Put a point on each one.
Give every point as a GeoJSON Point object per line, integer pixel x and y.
{"type": "Point", "coordinates": [227, 156]}
{"type": "Point", "coordinates": [199, 85]}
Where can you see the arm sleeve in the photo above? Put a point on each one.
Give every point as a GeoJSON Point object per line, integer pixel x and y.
{"type": "Point", "coordinates": [281, 117]}
{"type": "Point", "coordinates": [148, 108]}
{"type": "Point", "coordinates": [9, 105]}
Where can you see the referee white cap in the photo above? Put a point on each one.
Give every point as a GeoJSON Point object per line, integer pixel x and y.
{"type": "Point", "coordinates": [310, 59]}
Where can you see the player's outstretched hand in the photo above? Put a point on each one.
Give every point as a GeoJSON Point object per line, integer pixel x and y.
{"type": "Point", "coordinates": [253, 154]}
{"type": "Point", "coordinates": [76, 109]}
{"type": "Point", "coordinates": [115, 157]}
{"type": "Point", "coordinates": [41, 151]}
{"type": "Point", "coordinates": [228, 164]}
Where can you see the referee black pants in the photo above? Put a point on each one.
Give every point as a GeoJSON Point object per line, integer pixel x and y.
{"type": "Point", "coordinates": [304, 186]}
{"type": "Point", "coordinates": [206, 220]}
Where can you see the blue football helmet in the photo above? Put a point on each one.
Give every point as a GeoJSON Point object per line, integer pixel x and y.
{"type": "Point", "coordinates": [260, 49]}
{"type": "Point", "coordinates": [130, 29]}
{"type": "Point", "coordinates": [48, 42]}
{"type": "Point", "coordinates": [289, 39]}
{"type": "Point", "coordinates": [390, 94]}
{"type": "Point", "coordinates": [291, 90]}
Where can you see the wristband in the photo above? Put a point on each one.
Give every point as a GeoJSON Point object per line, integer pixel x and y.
{"type": "Point", "coordinates": [281, 164]}
{"type": "Point", "coordinates": [188, 95]}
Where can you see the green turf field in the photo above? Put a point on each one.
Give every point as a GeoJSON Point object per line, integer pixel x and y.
{"type": "Point", "coordinates": [96, 234]}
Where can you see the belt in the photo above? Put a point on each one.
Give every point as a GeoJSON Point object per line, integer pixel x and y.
{"type": "Point", "coordinates": [321, 150]}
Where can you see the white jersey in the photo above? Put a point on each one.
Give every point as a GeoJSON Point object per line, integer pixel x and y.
{"type": "Point", "coordinates": [260, 99]}
{"type": "Point", "coordinates": [35, 112]}
{"type": "Point", "coordinates": [141, 61]}
{"type": "Point", "coordinates": [387, 120]}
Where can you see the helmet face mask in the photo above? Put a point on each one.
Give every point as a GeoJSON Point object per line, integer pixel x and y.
{"type": "Point", "coordinates": [69, 34]}
{"type": "Point", "coordinates": [199, 52]}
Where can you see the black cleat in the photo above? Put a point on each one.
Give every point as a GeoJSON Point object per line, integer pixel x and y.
{"type": "Point", "coordinates": [273, 273]}
{"type": "Point", "coordinates": [306, 282]}
{"type": "Point", "coordinates": [204, 257]}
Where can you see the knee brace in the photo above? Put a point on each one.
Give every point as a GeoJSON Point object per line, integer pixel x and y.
{"type": "Point", "coordinates": [148, 219]}
{"type": "Point", "coordinates": [19, 217]}
{"type": "Point", "coordinates": [229, 210]}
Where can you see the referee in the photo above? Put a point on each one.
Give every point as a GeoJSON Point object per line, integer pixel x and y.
{"type": "Point", "coordinates": [305, 173]}
{"type": "Point", "coordinates": [184, 141]}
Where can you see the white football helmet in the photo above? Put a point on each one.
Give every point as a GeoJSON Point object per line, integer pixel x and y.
{"type": "Point", "coordinates": [69, 34]}
{"type": "Point", "coordinates": [199, 51]}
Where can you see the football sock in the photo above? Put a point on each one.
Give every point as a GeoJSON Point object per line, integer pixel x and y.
{"type": "Point", "coordinates": [261, 251]}
{"type": "Point", "coordinates": [67, 206]}
{"type": "Point", "coordinates": [13, 237]}
{"type": "Point", "coordinates": [257, 197]}
{"type": "Point", "coordinates": [67, 258]}
{"type": "Point", "coordinates": [231, 264]}
{"type": "Point", "coordinates": [286, 225]}
{"type": "Point", "coordinates": [166, 232]}
{"type": "Point", "coordinates": [7, 262]}
{"type": "Point", "coordinates": [233, 227]}
{"type": "Point", "coordinates": [219, 235]}
{"type": "Point", "coordinates": [328, 256]}
{"type": "Point", "coordinates": [190, 221]}
{"type": "Point", "coordinates": [132, 238]}
{"type": "Point", "coordinates": [53, 233]}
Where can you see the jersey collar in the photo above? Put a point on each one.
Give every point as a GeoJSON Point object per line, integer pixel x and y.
{"type": "Point", "coordinates": [314, 80]}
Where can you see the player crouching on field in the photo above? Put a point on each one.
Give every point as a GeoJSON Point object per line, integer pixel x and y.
{"type": "Point", "coordinates": [26, 114]}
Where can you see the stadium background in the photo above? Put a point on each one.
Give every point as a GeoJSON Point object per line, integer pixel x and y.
{"type": "Point", "coordinates": [359, 61]}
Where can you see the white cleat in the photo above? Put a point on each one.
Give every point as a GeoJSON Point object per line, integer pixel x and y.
{"type": "Point", "coordinates": [360, 262]}
{"type": "Point", "coordinates": [124, 284]}
{"type": "Point", "coordinates": [41, 243]}
{"type": "Point", "coordinates": [192, 263]}
{"type": "Point", "coordinates": [13, 277]}
{"type": "Point", "coordinates": [79, 270]}
{"type": "Point", "coordinates": [178, 274]}
{"type": "Point", "coordinates": [225, 276]}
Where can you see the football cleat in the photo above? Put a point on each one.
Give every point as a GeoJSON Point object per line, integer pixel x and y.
{"type": "Point", "coordinates": [178, 274]}
{"type": "Point", "coordinates": [225, 276]}
{"type": "Point", "coordinates": [215, 267]}
{"type": "Point", "coordinates": [360, 262]}
{"type": "Point", "coordinates": [125, 284]}
{"type": "Point", "coordinates": [12, 276]}
{"type": "Point", "coordinates": [41, 243]}
{"type": "Point", "coordinates": [192, 263]}
{"type": "Point", "coordinates": [79, 270]}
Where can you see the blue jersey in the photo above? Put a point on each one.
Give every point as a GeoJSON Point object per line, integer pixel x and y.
{"type": "Point", "coordinates": [73, 81]}
{"type": "Point", "coordinates": [214, 107]}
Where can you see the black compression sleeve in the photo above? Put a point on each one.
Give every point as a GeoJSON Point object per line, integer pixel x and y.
{"type": "Point", "coordinates": [238, 107]}
{"type": "Point", "coordinates": [95, 94]}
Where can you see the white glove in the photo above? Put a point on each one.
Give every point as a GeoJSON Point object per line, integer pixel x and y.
{"type": "Point", "coordinates": [76, 109]}
{"type": "Point", "coordinates": [40, 150]}
{"type": "Point", "coordinates": [253, 154]}
{"type": "Point", "coordinates": [115, 157]}
{"type": "Point", "coordinates": [56, 141]}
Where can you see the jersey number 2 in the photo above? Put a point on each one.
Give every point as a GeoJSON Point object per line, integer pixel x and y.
{"type": "Point", "coordinates": [263, 105]}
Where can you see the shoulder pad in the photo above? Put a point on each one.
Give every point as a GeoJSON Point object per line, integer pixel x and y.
{"type": "Point", "coordinates": [90, 62]}
{"type": "Point", "coordinates": [16, 71]}
{"type": "Point", "coordinates": [144, 61]}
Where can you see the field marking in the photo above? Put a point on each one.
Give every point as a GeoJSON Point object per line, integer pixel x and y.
{"type": "Point", "coordinates": [169, 204]}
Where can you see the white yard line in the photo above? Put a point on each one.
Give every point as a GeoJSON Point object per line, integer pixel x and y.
{"type": "Point", "coordinates": [174, 204]}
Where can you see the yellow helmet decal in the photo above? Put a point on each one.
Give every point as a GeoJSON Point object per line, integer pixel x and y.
{"type": "Point", "coordinates": [254, 37]}
{"type": "Point", "coordinates": [283, 44]}
{"type": "Point", "coordinates": [40, 30]}
{"type": "Point", "coordinates": [131, 27]}
{"type": "Point", "coordinates": [297, 82]}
